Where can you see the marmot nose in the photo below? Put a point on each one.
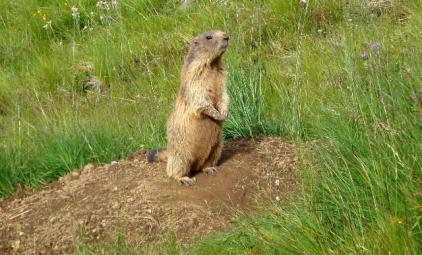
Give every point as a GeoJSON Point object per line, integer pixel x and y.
{"type": "Point", "coordinates": [225, 37]}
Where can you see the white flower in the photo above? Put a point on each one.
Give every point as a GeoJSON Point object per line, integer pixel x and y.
{"type": "Point", "coordinates": [75, 12]}
{"type": "Point", "coordinates": [47, 25]}
{"type": "Point", "coordinates": [103, 5]}
{"type": "Point", "coordinates": [277, 198]}
{"type": "Point", "coordinates": [277, 183]}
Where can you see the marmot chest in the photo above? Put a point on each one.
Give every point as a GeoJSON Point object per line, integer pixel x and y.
{"type": "Point", "coordinates": [215, 86]}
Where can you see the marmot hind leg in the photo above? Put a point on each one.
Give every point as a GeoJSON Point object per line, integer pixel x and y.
{"type": "Point", "coordinates": [210, 166]}
{"type": "Point", "coordinates": [179, 168]}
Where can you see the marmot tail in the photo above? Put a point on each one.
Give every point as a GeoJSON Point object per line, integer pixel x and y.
{"type": "Point", "coordinates": [157, 155]}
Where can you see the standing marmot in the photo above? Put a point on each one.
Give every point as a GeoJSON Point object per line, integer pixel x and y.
{"type": "Point", "coordinates": [194, 128]}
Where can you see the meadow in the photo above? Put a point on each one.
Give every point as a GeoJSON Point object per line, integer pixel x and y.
{"type": "Point", "coordinates": [342, 78]}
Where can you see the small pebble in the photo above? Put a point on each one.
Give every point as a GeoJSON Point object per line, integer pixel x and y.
{"type": "Point", "coordinates": [113, 163]}
{"type": "Point", "coordinates": [88, 167]}
{"type": "Point", "coordinates": [16, 244]}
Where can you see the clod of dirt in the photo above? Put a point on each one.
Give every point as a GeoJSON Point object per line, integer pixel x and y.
{"type": "Point", "coordinates": [88, 168]}
{"type": "Point", "coordinates": [133, 196]}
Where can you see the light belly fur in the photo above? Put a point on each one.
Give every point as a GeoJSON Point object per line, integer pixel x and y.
{"type": "Point", "coordinates": [194, 138]}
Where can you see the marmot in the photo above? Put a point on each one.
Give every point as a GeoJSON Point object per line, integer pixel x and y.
{"type": "Point", "coordinates": [194, 128]}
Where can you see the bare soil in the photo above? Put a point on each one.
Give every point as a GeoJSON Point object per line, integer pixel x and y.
{"type": "Point", "coordinates": [133, 197]}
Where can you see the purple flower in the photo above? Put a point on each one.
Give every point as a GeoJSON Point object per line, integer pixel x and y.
{"type": "Point", "coordinates": [364, 55]}
{"type": "Point", "coordinates": [375, 46]}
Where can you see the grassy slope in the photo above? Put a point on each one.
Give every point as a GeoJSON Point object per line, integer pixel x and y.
{"type": "Point", "coordinates": [293, 72]}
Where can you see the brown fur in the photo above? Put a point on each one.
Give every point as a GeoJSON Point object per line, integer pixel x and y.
{"type": "Point", "coordinates": [194, 128]}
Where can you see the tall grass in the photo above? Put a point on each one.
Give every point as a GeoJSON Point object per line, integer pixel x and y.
{"type": "Point", "coordinates": [344, 74]}
{"type": "Point", "coordinates": [362, 194]}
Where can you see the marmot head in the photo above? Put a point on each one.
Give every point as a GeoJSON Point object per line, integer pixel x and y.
{"type": "Point", "coordinates": [208, 47]}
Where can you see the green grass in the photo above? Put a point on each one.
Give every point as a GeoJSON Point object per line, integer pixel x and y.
{"type": "Point", "coordinates": [297, 73]}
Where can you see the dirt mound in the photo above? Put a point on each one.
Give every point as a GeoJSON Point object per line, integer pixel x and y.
{"type": "Point", "coordinates": [134, 197]}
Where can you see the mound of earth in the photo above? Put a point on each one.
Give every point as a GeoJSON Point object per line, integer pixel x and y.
{"type": "Point", "coordinates": [133, 197]}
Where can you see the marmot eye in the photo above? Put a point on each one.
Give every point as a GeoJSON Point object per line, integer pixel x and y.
{"type": "Point", "coordinates": [209, 37]}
